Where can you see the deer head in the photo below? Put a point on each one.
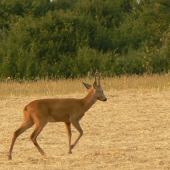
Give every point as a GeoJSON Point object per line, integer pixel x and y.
{"type": "Point", "coordinates": [97, 87]}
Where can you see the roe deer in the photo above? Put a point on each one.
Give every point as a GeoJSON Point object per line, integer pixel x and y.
{"type": "Point", "coordinates": [68, 110]}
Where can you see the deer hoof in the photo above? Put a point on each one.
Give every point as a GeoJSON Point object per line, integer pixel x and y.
{"type": "Point", "coordinates": [71, 147]}
{"type": "Point", "coordinates": [9, 157]}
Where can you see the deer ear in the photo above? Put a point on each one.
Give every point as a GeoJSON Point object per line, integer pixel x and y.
{"type": "Point", "coordinates": [88, 86]}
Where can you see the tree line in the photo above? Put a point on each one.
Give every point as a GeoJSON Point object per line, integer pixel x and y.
{"type": "Point", "coordinates": [70, 38]}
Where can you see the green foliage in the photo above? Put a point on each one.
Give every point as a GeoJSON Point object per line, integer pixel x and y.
{"type": "Point", "coordinates": [70, 38]}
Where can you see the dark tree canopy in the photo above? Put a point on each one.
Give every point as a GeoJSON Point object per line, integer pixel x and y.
{"type": "Point", "coordinates": [69, 38]}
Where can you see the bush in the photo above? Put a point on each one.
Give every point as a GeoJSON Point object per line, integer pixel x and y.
{"type": "Point", "coordinates": [69, 38]}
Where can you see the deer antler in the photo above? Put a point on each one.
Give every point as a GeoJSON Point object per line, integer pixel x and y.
{"type": "Point", "coordinates": [95, 77]}
{"type": "Point", "coordinates": [99, 79]}
{"type": "Point", "coordinates": [97, 73]}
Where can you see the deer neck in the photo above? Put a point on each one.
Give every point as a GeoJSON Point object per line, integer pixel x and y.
{"type": "Point", "coordinates": [89, 99]}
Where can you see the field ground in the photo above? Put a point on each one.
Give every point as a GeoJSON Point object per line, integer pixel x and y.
{"type": "Point", "coordinates": [131, 131]}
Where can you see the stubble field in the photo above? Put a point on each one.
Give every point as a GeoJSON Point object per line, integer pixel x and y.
{"type": "Point", "coordinates": [131, 130]}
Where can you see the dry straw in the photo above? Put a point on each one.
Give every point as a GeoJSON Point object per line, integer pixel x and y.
{"type": "Point", "coordinates": [69, 86]}
{"type": "Point", "coordinates": [129, 131]}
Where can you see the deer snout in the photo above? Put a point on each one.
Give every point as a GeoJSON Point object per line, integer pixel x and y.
{"type": "Point", "coordinates": [102, 99]}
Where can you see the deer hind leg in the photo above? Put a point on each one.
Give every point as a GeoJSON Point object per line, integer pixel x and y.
{"type": "Point", "coordinates": [68, 128]}
{"type": "Point", "coordinates": [39, 126]}
{"type": "Point", "coordinates": [28, 122]}
{"type": "Point", "coordinates": [78, 127]}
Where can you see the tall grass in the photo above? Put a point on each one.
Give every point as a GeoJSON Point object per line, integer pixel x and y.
{"type": "Point", "coordinates": [64, 87]}
{"type": "Point", "coordinates": [155, 82]}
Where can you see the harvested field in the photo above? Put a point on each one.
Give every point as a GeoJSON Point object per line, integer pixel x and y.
{"type": "Point", "coordinates": [129, 131]}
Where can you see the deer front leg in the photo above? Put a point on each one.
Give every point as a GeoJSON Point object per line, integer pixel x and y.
{"type": "Point", "coordinates": [78, 127]}
{"type": "Point", "coordinates": [36, 132]}
{"type": "Point", "coordinates": [68, 128]}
